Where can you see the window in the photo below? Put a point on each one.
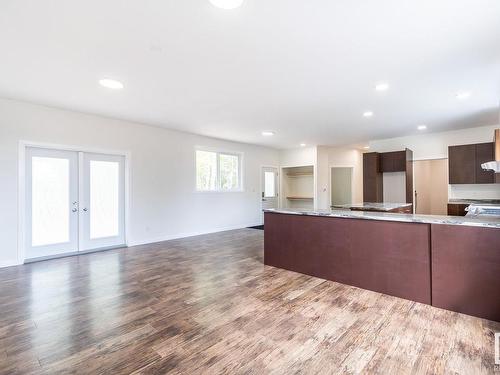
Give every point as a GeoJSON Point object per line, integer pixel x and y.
{"type": "Point", "coordinates": [218, 171]}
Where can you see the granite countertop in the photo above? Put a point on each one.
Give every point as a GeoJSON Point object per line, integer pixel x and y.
{"type": "Point", "coordinates": [373, 206]}
{"type": "Point", "coordinates": [490, 222]}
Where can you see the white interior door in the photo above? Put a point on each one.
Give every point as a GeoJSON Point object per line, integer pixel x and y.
{"type": "Point", "coordinates": [102, 201]}
{"type": "Point", "coordinates": [270, 188]}
{"type": "Point", "coordinates": [51, 202]}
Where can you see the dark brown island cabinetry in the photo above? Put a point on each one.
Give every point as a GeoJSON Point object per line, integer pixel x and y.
{"type": "Point", "coordinates": [387, 257]}
{"type": "Point", "coordinates": [466, 270]}
{"type": "Point", "coordinates": [464, 163]}
{"type": "Point", "coordinates": [454, 267]}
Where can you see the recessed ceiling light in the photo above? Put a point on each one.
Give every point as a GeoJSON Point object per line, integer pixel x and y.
{"type": "Point", "coordinates": [302, 145]}
{"type": "Point", "coordinates": [422, 127]}
{"type": "Point", "coordinates": [382, 86]}
{"type": "Point", "coordinates": [463, 95]}
{"type": "Point", "coordinates": [111, 84]}
{"type": "Point", "coordinates": [267, 133]}
{"type": "Point", "coordinates": [368, 114]}
{"type": "Point", "coordinates": [227, 4]}
{"type": "Point", "coordinates": [366, 147]}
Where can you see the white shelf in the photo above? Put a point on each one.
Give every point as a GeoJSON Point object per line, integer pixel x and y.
{"type": "Point", "coordinates": [300, 174]}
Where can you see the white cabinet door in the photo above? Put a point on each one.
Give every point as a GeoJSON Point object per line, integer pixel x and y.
{"type": "Point", "coordinates": [102, 201]}
{"type": "Point", "coordinates": [51, 202]}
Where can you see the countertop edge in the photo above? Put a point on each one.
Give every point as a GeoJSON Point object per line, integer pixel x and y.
{"type": "Point", "coordinates": [395, 217]}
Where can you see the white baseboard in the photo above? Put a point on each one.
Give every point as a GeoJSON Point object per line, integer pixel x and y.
{"type": "Point", "coordinates": [188, 234]}
{"type": "Point", "coordinates": [10, 263]}
{"type": "Point", "coordinates": [158, 239]}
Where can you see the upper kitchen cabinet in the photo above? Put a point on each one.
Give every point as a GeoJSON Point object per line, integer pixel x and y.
{"type": "Point", "coordinates": [464, 163]}
{"type": "Point", "coordinates": [485, 152]}
{"type": "Point", "coordinates": [393, 161]}
{"type": "Point", "coordinates": [375, 164]}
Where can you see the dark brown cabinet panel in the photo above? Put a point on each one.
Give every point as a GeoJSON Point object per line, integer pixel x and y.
{"type": "Point", "coordinates": [484, 152]}
{"type": "Point", "coordinates": [456, 209]}
{"type": "Point", "coordinates": [393, 161]}
{"type": "Point", "coordinates": [372, 178]}
{"type": "Point", "coordinates": [466, 270]}
{"type": "Point", "coordinates": [389, 257]}
{"type": "Point", "coordinates": [462, 164]}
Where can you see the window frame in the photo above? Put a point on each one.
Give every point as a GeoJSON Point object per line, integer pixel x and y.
{"type": "Point", "coordinates": [218, 188]}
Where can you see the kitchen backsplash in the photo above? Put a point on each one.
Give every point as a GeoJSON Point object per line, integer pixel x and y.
{"type": "Point", "coordinates": [476, 191]}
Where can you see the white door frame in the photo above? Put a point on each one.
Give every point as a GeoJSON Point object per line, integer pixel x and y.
{"type": "Point", "coordinates": [23, 146]}
{"type": "Point", "coordinates": [330, 181]}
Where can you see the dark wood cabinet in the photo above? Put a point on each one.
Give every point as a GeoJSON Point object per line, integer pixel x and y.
{"type": "Point", "coordinates": [372, 178]}
{"type": "Point", "coordinates": [457, 209]}
{"type": "Point", "coordinates": [464, 163]}
{"type": "Point", "coordinates": [375, 164]}
{"type": "Point", "coordinates": [484, 152]}
{"type": "Point", "coordinates": [393, 161]}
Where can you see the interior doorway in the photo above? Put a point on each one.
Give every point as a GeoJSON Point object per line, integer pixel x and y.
{"type": "Point", "coordinates": [270, 189]}
{"type": "Point", "coordinates": [74, 201]}
{"type": "Point", "coordinates": [431, 186]}
{"type": "Point", "coordinates": [341, 185]}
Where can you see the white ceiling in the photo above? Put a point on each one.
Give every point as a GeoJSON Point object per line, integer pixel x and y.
{"type": "Point", "coordinates": [305, 69]}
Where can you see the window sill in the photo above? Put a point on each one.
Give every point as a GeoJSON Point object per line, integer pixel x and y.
{"type": "Point", "coordinates": [219, 191]}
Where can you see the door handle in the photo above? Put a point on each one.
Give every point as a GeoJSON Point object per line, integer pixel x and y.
{"type": "Point", "coordinates": [74, 210]}
{"type": "Point", "coordinates": [85, 210]}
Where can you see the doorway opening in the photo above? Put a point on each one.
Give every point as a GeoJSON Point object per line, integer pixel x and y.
{"type": "Point", "coordinates": [270, 189]}
{"type": "Point", "coordinates": [341, 185]}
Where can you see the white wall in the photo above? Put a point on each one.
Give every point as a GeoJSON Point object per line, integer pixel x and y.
{"type": "Point", "coordinates": [394, 187]}
{"type": "Point", "coordinates": [163, 201]}
{"type": "Point", "coordinates": [348, 157]}
{"type": "Point", "coordinates": [324, 157]}
{"type": "Point", "coordinates": [322, 178]}
{"type": "Point", "coordinates": [434, 145]}
{"type": "Point", "coordinates": [298, 157]}
{"type": "Point", "coordinates": [477, 191]}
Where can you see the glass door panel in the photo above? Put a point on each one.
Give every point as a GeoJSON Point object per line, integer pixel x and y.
{"type": "Point", "coordinates": [51, 202]}
{"type": "Point", "coordinates": [102, 201]}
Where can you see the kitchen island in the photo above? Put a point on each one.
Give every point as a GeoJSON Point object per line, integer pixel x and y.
{"type": "Point", "coordinates": [448, 262]}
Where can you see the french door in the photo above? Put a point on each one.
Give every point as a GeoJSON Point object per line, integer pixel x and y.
{"type": "Point", "coordinates": [75, 201]}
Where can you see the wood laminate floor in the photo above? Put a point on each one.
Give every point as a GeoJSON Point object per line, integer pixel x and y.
{"type": "Point", "coordinates": [208, 305]}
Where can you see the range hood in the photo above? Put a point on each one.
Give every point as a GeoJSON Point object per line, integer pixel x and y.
{"type": "Point", "coordinates": [494, 165]}
{"type": "Point", "coordinates": [491, 166]}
